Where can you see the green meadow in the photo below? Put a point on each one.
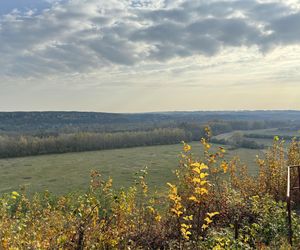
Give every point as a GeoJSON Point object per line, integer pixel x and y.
{"type": "Point", "coordinates": [62, 173]}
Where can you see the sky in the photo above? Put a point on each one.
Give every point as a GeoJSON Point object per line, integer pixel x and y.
{"type": "Point", "coordinates": [149, 55]}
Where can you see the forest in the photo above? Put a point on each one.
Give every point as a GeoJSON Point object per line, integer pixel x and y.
{"type": "Point", "coordinates": [37, 133]}
{"type": "Point", "coordinates": [53, 123]}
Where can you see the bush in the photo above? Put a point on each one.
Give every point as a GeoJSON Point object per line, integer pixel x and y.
{"type": "Point", "coordinates": [215, 204]}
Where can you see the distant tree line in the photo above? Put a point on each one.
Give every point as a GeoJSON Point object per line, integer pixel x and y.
{"type": "Point", "coordinates": [55, 123]}
{"type": "Point", "coordinates": [97, 138]}
{"type": "Point", "coordinates": [15, 146]}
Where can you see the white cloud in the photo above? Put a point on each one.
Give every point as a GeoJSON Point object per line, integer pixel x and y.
{"type": "Point", "coordinates": [82, 36]}
{"type": "Point", "coordinates": [97, 47]}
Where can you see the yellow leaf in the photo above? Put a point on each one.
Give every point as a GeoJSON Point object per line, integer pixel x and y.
{"type": "Point", "coordinates": [203, 175]}
{"type": "Point", "coordinates": [224, 166]}
{"type": "Point", "coordinates": [170, 185]}
{"type": "Point", "coordinates": [201, 191]}
{"type": "Point", "coordinates": [203, 183]}
{"type": "Point", "coordinates": [186, 147]}
{"type": "Point", "coordinates": [197, 170]}
{"type": "Point", "coordinates": [188, 217]}
{"type": "Point", "coordinates": [184, 225]}
{"type": "Point", "coordinates": [212, 214]}
{"type": "Point", "coordinates": [15, 193]}
{"type": "Point", "coordinates": [196, 164]}
{"type": "Point", "coordinates": [222, 149]}
{"type": "Point", "coordinates": [158, 218]}
{"type": "Point", "coordinates": [208, 220]}
{"type": "Point", "coordinates": [203, 166]}
{"type": "Point", "coordinates": [196, 180]}
{"type": "Point", "coordinates": [151, 209]}
{"type": "Point", "coordinates": [198, 167]}
{"type": "Point", "coordinates": [193, 198]}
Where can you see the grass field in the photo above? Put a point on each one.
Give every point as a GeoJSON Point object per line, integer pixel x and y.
{"type": "Point", "coordinates": [269, 131]}
{"type": "Point", "coordinates": [61, 173]}
{"type": "Point", "coordinates": [265, 141]}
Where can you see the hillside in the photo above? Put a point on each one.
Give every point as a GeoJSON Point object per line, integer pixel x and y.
{"type": "Point", "coordinates": [55, 122]}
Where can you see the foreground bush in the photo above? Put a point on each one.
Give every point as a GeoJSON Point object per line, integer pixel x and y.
{"type": "Point", "coordinates": [214, 204]}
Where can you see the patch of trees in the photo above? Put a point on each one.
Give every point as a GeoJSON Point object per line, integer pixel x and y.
{"type": "Point", "coordinates": [268, 136]}
{"type": "Point", "coordinates": [237, 140]}
{"type": "Point", "coordinates": [15, 146]}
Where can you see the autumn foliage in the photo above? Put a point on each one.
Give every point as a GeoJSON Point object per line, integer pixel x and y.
{"type": "Point", "coordinates": [214, 204]}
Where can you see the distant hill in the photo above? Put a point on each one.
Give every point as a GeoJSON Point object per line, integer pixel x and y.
{"type": "Point", "coordinates": [58, 121]}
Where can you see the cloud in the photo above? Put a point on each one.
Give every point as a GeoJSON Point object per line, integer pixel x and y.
{"type": "Point", "coordinates": [286, 29]}
{"type": "Point", "coordinates": [83, 36]}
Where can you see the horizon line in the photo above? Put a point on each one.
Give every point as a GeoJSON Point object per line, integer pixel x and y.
{"type": "Point", "coordinates": [151, 112]}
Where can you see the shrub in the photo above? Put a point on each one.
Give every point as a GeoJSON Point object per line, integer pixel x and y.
{"type": "Point", "coordinates": [215, 204]}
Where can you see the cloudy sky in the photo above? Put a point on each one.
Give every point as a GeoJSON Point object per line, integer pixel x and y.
{"type": "Point", "coordinates": [149, 55]}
